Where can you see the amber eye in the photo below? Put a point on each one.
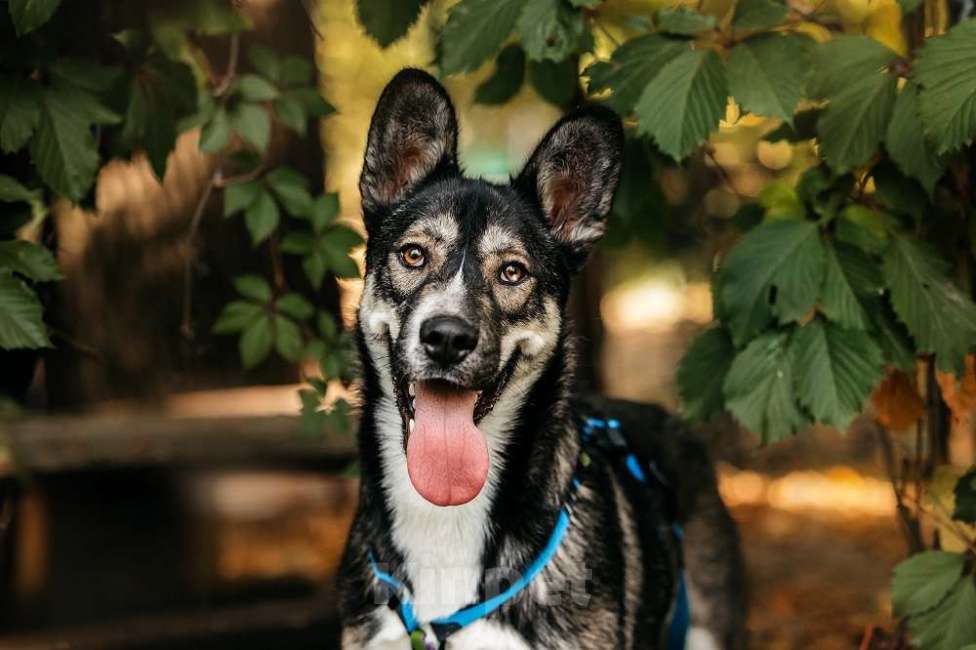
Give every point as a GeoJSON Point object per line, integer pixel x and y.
{"type": "Point", "coordinates": [512, 273]}
{"type": "Point", "coordinates": [413, 256]}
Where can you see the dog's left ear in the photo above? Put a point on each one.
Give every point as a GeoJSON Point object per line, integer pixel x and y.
{"type": "Point", "coordinates": [413, 136]}
{"type": "Point", "coordinates": [573, 174]}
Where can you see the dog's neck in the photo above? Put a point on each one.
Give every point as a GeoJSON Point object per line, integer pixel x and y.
{"type": "Point", "coordinates": [444, 552]}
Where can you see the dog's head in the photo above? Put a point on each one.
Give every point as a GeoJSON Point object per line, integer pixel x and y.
{"type": "Point", "coordinates": [466, 280]}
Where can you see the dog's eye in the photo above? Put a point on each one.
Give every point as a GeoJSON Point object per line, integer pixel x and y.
{"type": "Point", "coordinates": [413, 256]}
{"type": "Point", "coordinates": [512, 273]}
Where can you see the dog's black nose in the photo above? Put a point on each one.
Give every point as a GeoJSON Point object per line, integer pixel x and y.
{"type": "Point", "coordinates": [448, 339]}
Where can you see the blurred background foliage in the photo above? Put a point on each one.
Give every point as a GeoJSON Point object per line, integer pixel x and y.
{"type": "Point", "coordinates": [180, 231]}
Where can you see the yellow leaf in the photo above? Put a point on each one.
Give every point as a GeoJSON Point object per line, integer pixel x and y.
{"type": "Point", "coordinates": [851, 12]}
{"type": "Point", "coordinates": [940, 498]}
{"type": "Point", "coordinates": [883, 24]}
{"type": "Point", "coordinates": [897, 404]}
{"type": "Point", "coordinates": [817, 32]}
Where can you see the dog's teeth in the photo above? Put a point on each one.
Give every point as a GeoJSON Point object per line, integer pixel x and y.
{"type": "Point", "coordinates": [413, 404]}
{"type": "Point", "coordinates": [411, 424]}
{"type": "Point", "coordinates": [411, 390]}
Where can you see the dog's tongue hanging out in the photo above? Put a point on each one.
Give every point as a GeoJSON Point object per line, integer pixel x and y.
{"type": "Point", "coordinates": [447, 458]}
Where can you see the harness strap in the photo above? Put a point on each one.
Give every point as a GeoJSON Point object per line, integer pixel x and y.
{"type": "Point", "coordinates": [443, 627]}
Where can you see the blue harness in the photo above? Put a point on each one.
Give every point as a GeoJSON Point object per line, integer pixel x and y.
{"type": "Point", "coordinates": [444, 626]}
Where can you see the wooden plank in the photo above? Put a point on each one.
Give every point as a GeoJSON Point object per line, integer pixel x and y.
{"type": "Point", "coordinates": [56, 444]}
{"type": "Point", "coordinates": [164, 631]}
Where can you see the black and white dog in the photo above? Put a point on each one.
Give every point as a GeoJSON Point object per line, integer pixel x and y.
{"type": "Point", "coordinates": [485, 519]}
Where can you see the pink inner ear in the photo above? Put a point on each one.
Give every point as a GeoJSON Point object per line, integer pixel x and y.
{"type": "Point", "coordinates": [562, 196]}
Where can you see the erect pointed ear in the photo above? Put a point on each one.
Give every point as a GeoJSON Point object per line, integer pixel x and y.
{"type": "Point", "coordinates": [413, 134]}
{"type": "Point", "coordinates": [573, 174]}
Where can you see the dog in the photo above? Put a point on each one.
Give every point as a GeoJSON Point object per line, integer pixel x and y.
{"type": "Point", "coordinates": [485, 520]}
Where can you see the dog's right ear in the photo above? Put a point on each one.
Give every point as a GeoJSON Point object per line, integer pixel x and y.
{"type": "Point", "coordinates": [412, 136]}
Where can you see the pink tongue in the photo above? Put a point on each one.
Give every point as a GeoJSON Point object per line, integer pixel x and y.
{"type": "Point", "coordinates": [447, 459]}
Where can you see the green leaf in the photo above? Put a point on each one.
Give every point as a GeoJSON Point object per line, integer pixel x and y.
{"type": "Point", "coordinates": [255, 343]}
{"type": "Point", "coordinates": [296, 306]}
{"type": "Point", "coordinates": [836, 370]}
{"type": "Point", "coordinates": [21, 322]}
{"type": "Point", "coordinates": [315, 266]}
{"type": "Point", "coordinates": [759, 389]}
{"type": "Point", "coordinates": [254, 287]}
{"type": "Point", "coordinates": [767, 74]}
{"type": "Point", "coordinates": [215, 18]}
{"type": "Point", "coordinates": [839, 301]}
{"type": "Point", "coordinates": [862, 227]}
{"type": "Point", "coordinates": [846, 61]}
{"type": "Point", "coordinates": [327, 325]}
{"type": "Point", "coordinates": [631, 68]}
{"type": "Point", "coordinates": [758, 14]}
{"type": "Point", "coordinates": [921, 582]}
{"type": "Point", "coordinates": [940, 317]}
{"type": "Point", "coordinates": [855, 122]}
{"type": "Point", "coordinates": [240, 196]}
{"type": "Point", "coordinates": [895, 341]}
{"type": "Point", "coordinates": [965, 493]}
{"type": "Point", "coordinates": [551, 30]}
{"type": "Point", "coordinates": [215, 134]}
{"type": "Point", "coordinates": [946, 72]}
{"type": "Point", "coordinates": [386, 21]}
{"type": "Point", "coordinates": [683, 21]}
{"type": "Point", "coordinates": [237, 316]}
{"type": "Point", "coordinates": [265, 61]}
{"type": "Point", "coordinates": [252, 122]}
{"type": "Point", "coordinates": [557, 83]}
{"type": "Point", "coordinates": [681, 106]}
{"type": "Point", "coordinates": [291, 188]}
{"type": "Point", "coordinates": [18, 114]}
{"type": "Point", "coordinates": [12, 191]}
{"type": "Point", "coordinates": [63, 149]}
{"type": "Point", "coordinates": [506, 80]}
{"type": "Point", "coordinates": [312, 101]}
{"type": "Point", "coordinates": [899, 193]}
{"type": "Point", "coordinates": [84, 73]}
{"type": "Point", "coordinates": [262, 217]}
{"type": "Point", "coordinates": [951, 625]}
{"type": "Point", "coordinates": [297, 243]}
{"type": "Point", "coordinates": [907, 144]}
{"type": "Point", "coordinates": [324, 211]}
{"type": "Point", "coordinates": [296, 70]}
{"type": "Point", "coordinates": [786, 256]}
{"type": "Point", "coordinates": [288, 338]}
{"type": "Point", "coordinates": [781, 202]}
{"type": "Point", "coordinates": [474, 31]}
{"type": "Point", "coordinates": [30, 260]}
{"type": "Point", "coordinates": [341, 264]}
{"type": "Point", "coordinates": [28, 15]}
{"type": "Point", "coordinates": [255, 89]}
{"type": "Point", "coordinates": [343, 238]}
{"type": "Point", "coordinates": [702, 372]}
{"type": "Point", "coordinates": [291, 112]}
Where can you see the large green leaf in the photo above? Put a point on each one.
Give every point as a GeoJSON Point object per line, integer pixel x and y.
{"type": "Point", "coordinates": [845, 61]}
{"type": "Point", "coordinates": [474, 31]}
{"type": "Point", "coordinates": [683, 21]}
{"type": "Point", "coordinates": [632, 67]}
{"type": "Point", "coordinates": [557, 83]}
{"type": "Point", "coordinates": [63, 149]}
{"type": "Point", "coordinates": [291, 188]}
{"type": "Point", "coordinates": [836, 370]}
{"type": "Point", "coordinates": [702, 372]}
{"type": "Point", "coordinates": [252, 122]}
{"type": "Point", "coordinates": [921, 582]}
{"type": "Point", "coordinates": [237, 316]}
{"type": "Point", "coordinates": [767, 74]}
{"type": "Point", "coordinates": [12, 191]}
{"type": "Point", "coordinates": [507, 79]}
{"type": "Point", "coordinates": [240, 196]}
{"type": "Point", "coordinates": [855, 122]}
{"type": "Point", "coordinates": [839, 301]}
{"type": "Point", "coordinates": [776, 269]}
{"type": "Point", "coordinates": [759, 389]}
{"type": "Point", "coordinates": [262, 217]}
{"type": "Point", "coordinates": [387, 21]}
{"type": "Point", "coordinates": [551, 30]}
{"type": "Point", "coordinates": [255, 88]}
{"type": "Point", "coordinates": [907, 144]}
{"type": "Point", "coordinates": [952, 624]}
{"type": "Point", "coordinates": [288, 338]}
{"type": "Point", "coordinates": [21, 322]}
{"type": "Point", "coordinates": [18, 113]}
{"type": "Point", "coordinates": [946, 71]}
{"type": "Point", "coordinates": [256, 341]}
{"type": "Point", "coordinates": [940, 317]}
{"type": "Point", "coordinates": [758, 14]}
{"type": "Point", "coordinates": [28, 15]}
{"type": "Point", "coordinates": [254, 287]}
{"type": "Point", "coordinates": [29, 259]}
{"type": "Point", "coordinates": [681, 106]}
